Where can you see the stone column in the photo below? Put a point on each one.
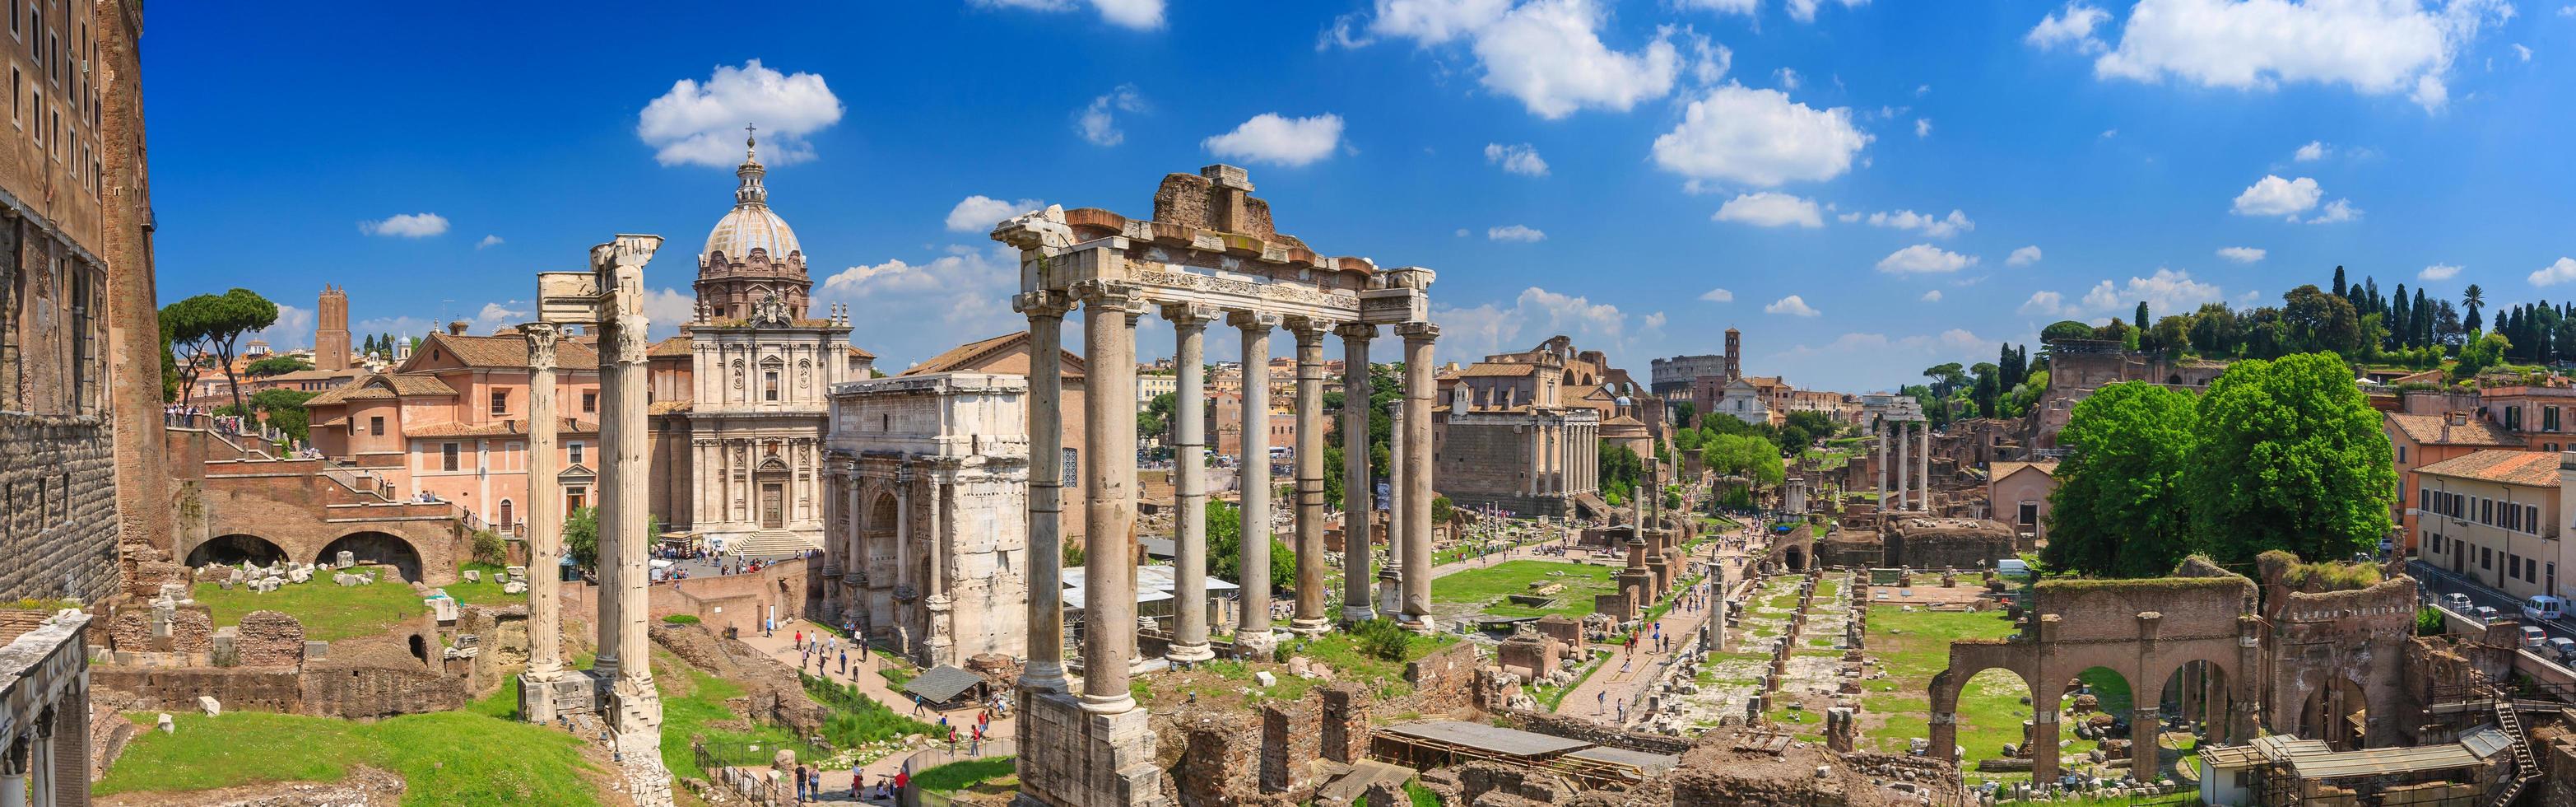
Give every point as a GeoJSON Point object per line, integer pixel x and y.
{"type": "Point", "coordinates": [1902, 462]}
{"type": "Point", "coordinates": [1418, 388]}
{"type": "Point", "coordinates": [1357, 494]}
{"type": "Point", "coordinates": [14, 762]}
{"type": "Point", "coordinates": [1045, 310]}
{"type": "Point", "coordinates": [545, 529]}
{"type": "Point", "coordinates": [1390, 590]}
{"type": "Point", "coordinates": [1109, 478]}
{"type": "Point", "coordinates": [1189, 464]}
{"type": "Point", "coordinates": [1881, 429]}
{"type": "Point", "coordinates": [1923, 467]}
{"type": "Point", "coordinates": [1310, 618]}
{"type": "Point", "coordinates": [625, 472]}
{"type": "Point", "coordinates": [1254, 631]}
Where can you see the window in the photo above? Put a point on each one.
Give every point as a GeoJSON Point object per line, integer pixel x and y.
{"type": "Point", "coordinates": [13, 17]}
{"type": "Point", "coordinates": [574, 497]}
{"type": "Point", "coordinates": [2486, 557]}
{"type": "Point", "coordinates": [590, 402]}
{"type": "Point", "coordinates": [2549, 418]}
{"type": "Point", "coordinates": [575, 447]}
{"type": "Point", "coordinates": [447, 456]}
{"type": "Point", "coordinates": [1072, 467]}
{"type": "Point", "coordinates": [2424, 498]}
{"type": "Point", "coordinates": [17, 96]}
{"type": "Point", "coordinates": [769, 385]}
{"type": "Point", "coordinates": [2513, 565]}
{"type": "Point", "coordinates": [505, 514]}
{"type": "Point", "coordinates": [376, 426]}
{"type": "Point", "coordinates": [2531, 519]}
{"type": "Point", "coordinates": [2486, 511]}
{"type": "Point", "coordinates": [2513, 418]}
{"type": "Point", "coordinates": [2401, 455]}
{"type": "Point", "coordinates": [2029, 513]}
{"type": "Point", "coordinates": [500, 402]}
{"type": "Point", "coordinates": [36, 101]}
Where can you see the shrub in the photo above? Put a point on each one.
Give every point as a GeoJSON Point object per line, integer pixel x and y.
{"type": "Point", "coordinates": [681, 619]}
{"type": "Point", "coordinates": [2429, 622]}
{"type": "Point", "coordinates": [1380, 638]}
{"type": "Point", "coordinates": [489, 548]}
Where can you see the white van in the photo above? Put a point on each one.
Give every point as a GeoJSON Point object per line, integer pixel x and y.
{"type": "Point", "coordinates": [2544, 608]}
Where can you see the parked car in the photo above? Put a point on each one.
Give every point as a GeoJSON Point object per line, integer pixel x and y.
{"type": "Point", "coordinates": [2485, 613]}
{"type": "Point", "coordinates": [2533, 637]}
{"type": "Point", "coordinates": [2561, 648]}
{"type": "Point", "coordinates": [2456, 602]}
{"type": "Point", "coordinates": [2544, 608]}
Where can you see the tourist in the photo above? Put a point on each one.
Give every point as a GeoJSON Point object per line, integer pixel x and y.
{"type": "Point", "coordinates": [901, 780]}
{"type": "Point", "coordinates": [804, 783]}
{"type": "Point", "coordinates": [845, 654]}
{"type": "Point", "coordinates": [855, 779]}
{"type": "Point", "coordinates": [1601, 702]}
{"type": "Point", "coordinates": [800, 639]}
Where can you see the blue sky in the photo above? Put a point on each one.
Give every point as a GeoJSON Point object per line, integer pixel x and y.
{"type": "Point", "coordinates": [1588, 167]}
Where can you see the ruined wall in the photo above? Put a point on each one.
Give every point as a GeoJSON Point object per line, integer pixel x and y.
{"type": "Point", "coordinates": [173, 689]}
{"type": "Point", "coordinates": [57, 506]}
{"type": "Point", "coordinates": [1487, 464]}
{"type": "Point", "coordinates": [1443, 682]}
{"type": "Point", "coordinates": [2107, 610]}
{"type": "Point", "coordinates": [268, 639]}
{"type": "Point", "coordinates": [1941, 549]}
{"type": "Point", "coordinates": [1291, 739]}
{"type": "Point", "coordinates": [2356, 637]}
{"type": "Point", "coordinates": [1592, 731]}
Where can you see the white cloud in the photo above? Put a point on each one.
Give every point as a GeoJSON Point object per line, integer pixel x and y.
{"type": "Point", "coordinates": [1142, 15]}
{"type": "Point", "coordinates": [1434, 22]}
{"type": "Point", "coordinates": [2339, 210]}
{"type": "Point", "coordinates": [1932, 296]}
{"type": "Point", "coordinates": [2241, 254]}
{"type": "Point", "coordinates": [2071, 27]}
{"type": "Point", "coordinates": [962, 294]}
{"type": "Point", "coordinates": [1718, 296]}
{"type": "Point", "coordinates": [2110, 133]}
{"type": "Point", "coordinates": [294, 329]}
{"type": "Point", "coordinates": [488, 241]}
{"type": "Point", "coordinates": [1515, 233]}
{"type": "Point", "coordinates": [2376, 47]}
{"type": "Point", "coordinates": [1759, 137]}
{"type": "Point", "coordinates": [1787, 78]}
{"type": "Point", "coordinates": [1792, 305]}
{"type": "Point", "coordinates": [1462, 232]}
{"type": "Point", "coordinates": [1937, 227]}
{"type": "Point", "coordinates": [2567, 11]}
{"type": "Point", "coordinates": [1520, 159]}
{"type": "Point", "coordinates": [2274, 196]}
{"type": "Point", "coordinates": [1769, 209]}
{"type": "Point", "coordinates": [978, 213]}
{"type": "Point", "coordinates": [2024, 256]}
{"type": "Point", "coordinates": [2562, 271]}
{"type": "Point", "coordinates": [1805, 10]}
{"type": "Point", "coordinates": [1924, 259]}
{"type": "Point", "coordinates": [665, 309]}
{"type": "Point", "coordinates": [1097, 122]}
{"type": "Point", "coordinates": [1536, 313]}
{"type": "Point", "coordinates": [2167, 290]}
{"type": "Point", "coordinates": [2520, 50]}
{"type": "Point", "coordinates": [2439, 271]}
{"type": "Point", "coordinates": [1721, 6]}
{"type": "Point", "coordinates": [697, 123]}
{"type": "Point", "coordinates": [1922, 127]}
{"type": "Point", "coordinates": [1269, 138]}
{"type": "Point", "coordinates": [2045, 303]}
{"type": "Point", "coordinates": [407, 225]}
{"type": "Point", "coordinates": [2315, 150]}
{"type": "Point", "coordinates": [1547, 54]}
{"type": "Point", "coordinates": [1921, 90]}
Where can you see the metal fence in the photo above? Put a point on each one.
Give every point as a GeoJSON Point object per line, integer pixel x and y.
{"type": "Point", "coordinates": [938, 755]}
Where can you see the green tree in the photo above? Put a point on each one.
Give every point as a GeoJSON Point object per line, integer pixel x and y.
{"type": "Point", "coordinates": [2065, 329]}
{"type": "Point", "coordinates": [581, 537]}
{"type": "Point", "coordinates": [2290, 456]}
{"type": "Point", "coordinates": [2473, 299]}
{"type": "Point", "coordinates": [209, 328]}
{"type": "Point", "coordinates": [1225, 549]}
{"type": "Point", "coordinates": [1751, 457]}
{"type": "Point", "coordinates": [2487, 352]}
{"type": "Point", "coordinates": [284, 410]}
{"type": "Point", "coordinates": [2141, 321]}
{"type": "Point", "coordinates": [2120, 508]}
{"type": "Point", "coordinates": [1803, 428]}
{"type": "Point", "coordinates": [1154, 420]}
{"type": "Point", "coordinates": [1685, 412]}
{"type": "Point", "coordinates": [277, 365]}
{"type": "Point", "coordinates": [1619, 470]}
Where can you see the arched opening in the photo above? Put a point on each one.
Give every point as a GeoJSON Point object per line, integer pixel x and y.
{"type": "Point", "coordinates": [876, 533]}
{"type": "Point", "coordinates": [509, 515]}
{"type": "Point", "coordinates": [2197, 696]}
{"type": "Point", "coordinates": [1795, 557]}
{"type": "Point", "coordinates": [419, 648]}
{"type": "Point", "coordinates": [233, 549]}
{"type": "Point", "coordinates": [2336, 713]}
{"type": "Point", "coordinates": [377, 548]}
{"type": "Point", "coordinates": [2098, 707]}
{"type": "Point", "coordinates": [1995, 721]}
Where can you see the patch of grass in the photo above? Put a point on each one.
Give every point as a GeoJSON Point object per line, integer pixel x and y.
{"type": "Point", "coordinates": [691, 700]}
{"type": "Point", "coordinates": [681, 619]}
{"type": "Point", "coordinates": [1549, 697]}
{"type": "Point", "coordinates": [487, 592]}
{"type": "Point", "coordinates": [1491, 584]}
{"type": "Point", "coordinates": [462, 757]}
{"type": "Point", "coordinates": [1914, 646]}
{"type": "Point", "coordinates": [856, 718]}
{"type": "Point", "coordinates": [980, 775]}
{"type": "Point", "coordinates": [328, 610]}
{"type": "Point", "coordinates": [1421, 796]}
{"type": "Point", "coordinates": [896, 670]}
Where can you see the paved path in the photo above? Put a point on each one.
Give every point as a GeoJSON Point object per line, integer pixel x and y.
{"type": "Point", "coordinates": [836, 783]}
{"type": "Point", "coordinates": [1625, 676]}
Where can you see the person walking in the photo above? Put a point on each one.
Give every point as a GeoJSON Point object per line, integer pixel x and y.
{"type": "Point", "coordinates": [856, 778]}
{"type": "Point", "coordinates": [804, 782]}
{"type": "Point", "coordinates": [799, 641]}
{"type": "Point", "coordinates": [1600, 699]}
{"type": "Point", "coordinates": [903, 780]}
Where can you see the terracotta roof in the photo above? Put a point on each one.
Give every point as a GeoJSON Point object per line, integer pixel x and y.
{"type": "Point", "coordinates": [963, 356]}
{"type": "Point", "coordinates": [505, 352]}
{"type": "Point", "coordinates": [2003, 469]}
{"type": "Point", "coordinates": [503, 428]}
{"type": "Point", "coordinates": [2437, 430]}
{"type": "Point", "coordinates": [1499, 370]}
{"type": "Point", "coordinates": [2537, 469]}
{"type": "Point", "coordinates": [855, 350]}
{"type": "Point", "coordinates": [380, 386]}
{"type": "Point", "coordinates": [674, 346]}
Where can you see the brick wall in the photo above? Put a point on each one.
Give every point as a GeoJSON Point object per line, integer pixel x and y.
{"type": "Point", "coordinates": [269, 639]}
{"type": "Point", "coordinates": [58, 517]}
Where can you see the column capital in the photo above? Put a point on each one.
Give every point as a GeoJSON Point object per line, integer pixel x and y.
{"type": "Point", "coordinates": [1360, 331]}
{"type": "Point", "coordinates": [1109, 294]}
{"type": "Point", "coordinates": [1308, 330]}
{"type": "Point", "coordinates": [1252, 320]}
{"type": "Point", "coordinates": [1190, 316]}
{"type": "Point", "coordinates": [542, 339]}
{"type": "Point", "coordinates": [1043, 303]}
{"type": "Point", "coordinates": [1418, 331]}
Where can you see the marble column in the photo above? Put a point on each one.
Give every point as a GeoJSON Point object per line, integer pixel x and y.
{"type": "Point", "coordinates": [1357, 494]}
{"type": "Point", "coordinates": [1189, 466]}
{"type": "Point", "coordinates": [1310, 617]}
{"type": "Point", "coordinates": [1881, 429]}
{"type": "Point", "coordinates": [545, 528]}
{"type": "Point", "coordinates": [1045, 670]}
{"type": "Point", "coordinates": [1418, 389]}
{"type": "Point", "coordinates": [1903, 449]}
{"type": "Point", "coordinates": [1254, 631]}
{"type": "Point", "coordinates": [1108, 481]}
{"type": "Point", "coordinates": [624, 546]}
{"type": "Point", "coordinates": [1923, 467]}
{"type": "Point", "coordinates": [1390, 591]}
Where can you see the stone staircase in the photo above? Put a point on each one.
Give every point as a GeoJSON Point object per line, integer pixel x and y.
{"type": "Point", "coordinates": [773, 542]}
{"type": "Point", "coordinates": [2525, 768]}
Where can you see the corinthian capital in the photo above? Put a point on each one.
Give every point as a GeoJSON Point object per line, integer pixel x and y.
{"type": "Point", "coordinates": [1418, 331]}
{"type": "Point", "coordinates": [1042, 304]}
{"type": "Point", "coordinates": [542, 338]}
{"type": "Point", "coordinates": [1190, 316]}
{"type": "Point", "coordinates": [1106, 295]}
{"type": "Point", "coordinates": [1308, 330]}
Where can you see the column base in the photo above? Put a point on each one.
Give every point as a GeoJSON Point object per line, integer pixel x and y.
{"type": "Point", "coordinates": [1043, 677]}
{"type": "Point", "coordinates": [1120, 703]}
{"type": "Point", "coordinates": [1355, 614]}
{"type": "Point", "coordinates": [1390, 591]}
{"type": "Point", "coordinates": [1073, 757]}
{"type": "Point", "coordinates": [543, 697]}
{"type": "Point", "coordinates": [1417, 623]}
{"type": "Point", "coordinates": [1189, 653]}
{"type": "Point", "coordinates": [1255, 643]}
{"type": "Point", "coordinates": [1309, 626]}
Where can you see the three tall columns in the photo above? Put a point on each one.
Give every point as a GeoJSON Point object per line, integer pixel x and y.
{"type": "Point", "coordinates": [1912, 465]}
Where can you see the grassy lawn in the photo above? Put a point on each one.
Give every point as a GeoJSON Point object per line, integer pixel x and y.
{"type": "Point", "coordinates": [463, 757]}
{"type": "Point", "coordinates": [1491, 584]}
{"type": "Point", "coordinates": [487, 592]}
{"type": "Point", "coordinates": [1913, 647]}
{"type": "Point", "coordinates": [998, 776]}
{"type": "Point", "coordinates": [328, 610]}
{"type": "Point", "coordinates": [1338, 649]}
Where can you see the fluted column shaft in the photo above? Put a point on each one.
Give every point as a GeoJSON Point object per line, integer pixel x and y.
{"type": "Point", "coordinates": [1418, 389]}
{"type": "Point", "coordinates": [1189, 465]}
{"type": "Point", "coordinates": [1108, 480]}
{"type": "Point", "coordinates": [1391, 579]}
{"type": "Point", "coordinates": [1903, 449]}
{"type": "Point", "coordinates": [1923, 467]}
{"type": "Point", "coordinates": [1309, 617]}
{"type": "Point", "coordinates": [1881, 429]}
{"type": "Point", "coordinates": [1045, 670]}
{"type": "Point", "coordinates": [1357, 493]}
{"type": "Point", "coordinates": [1255, 467]}
{"type": "Point", "coordinates": [544, 508]}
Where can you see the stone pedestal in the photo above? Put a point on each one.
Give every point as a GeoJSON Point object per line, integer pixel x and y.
{"type": "Point", "coordinates": [635, 720]}
{"type": "Point", "coordinates": [1071, 757]}
{"type": "Point", "coordinates": [572, 693]}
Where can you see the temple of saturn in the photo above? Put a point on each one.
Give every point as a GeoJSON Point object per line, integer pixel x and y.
{"type": "Point", "coordinates": [1901, 416]}
{"type": "Point", "coordinates": [619, 686]}
{"type": "Point", "coordinates": [1209, 252]}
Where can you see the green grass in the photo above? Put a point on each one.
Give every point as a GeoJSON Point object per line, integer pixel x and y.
{"type": "Point", "coordinates": [328, 610]}
{"type": "Point", "coordinates": [1339, 650]}
{"type": "Point", "coordinates": [1421, 796]}
{"type": "Point", "coordinates": [1491, 584]}
{"type": "Point", "coordinates": [856, 718]}
{"type": "Point", "coordinates": [976, 774]}
{"type": "Point", "coordinates": [1913, 647]}
{"type": "Point", "coordinates": [487, 592]}
{"type": "Point", "coordinates": [463, 757]}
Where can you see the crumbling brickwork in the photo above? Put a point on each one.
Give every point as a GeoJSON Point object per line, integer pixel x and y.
{"type": "Point", "coordinates": [269, 639]}
{"type": "Point", "coordinates": [57, 505]}
{"type": "Point", "coordinates": [1290, 738]}
{"type": "Point", "coordinates": [192, 630]}
{"type": "Point", "coordinates": [1345, 718]}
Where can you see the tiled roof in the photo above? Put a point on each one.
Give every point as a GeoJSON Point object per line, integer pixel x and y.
{"type": "Point", "coordinates": [1484, 369]}
{"type": "Point", "coordinates": [674, 346]}
{"type": "Point", "coordinates": [667, 407]}
{"type": "Point", "coordinates": [507, 351]}
{"type": "Point", "coordinates": [963, 356]}
{"type": "Point", "coordinates": [2003, 469]}
{"type": "Point", "coordinates": [382, 386]}
{"type": "Point", "coordinates": [2438, 430]}
{"type": "Point", "coordinates": [502, 428]}
{"type": "Point", "coordinates": [2537, 469]}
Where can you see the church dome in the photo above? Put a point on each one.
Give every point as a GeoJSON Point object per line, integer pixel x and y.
{"type": "Point", "coordinates": [750, 224]}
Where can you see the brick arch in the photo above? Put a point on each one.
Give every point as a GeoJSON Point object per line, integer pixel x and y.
{"type": "Point", "coordinates": [233, 548]}
{"type": "Point", "coordinates": [372, 546]}
{"type": "Point", "coordinates": [1967, 659]}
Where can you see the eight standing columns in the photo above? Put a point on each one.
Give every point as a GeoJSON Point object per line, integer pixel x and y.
{"type": "Point", "coordinates": [1357, 493]}
{"type": "Point", "coordinates": [1189, 461]}
{"type": "Point", "coordinates": [1310, 617]}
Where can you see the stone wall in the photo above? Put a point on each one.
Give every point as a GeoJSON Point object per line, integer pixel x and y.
{"type": "Point", "coordinates": [1592, 731]}
{"type": "Point", "coordinates": [1948, 543]}
{"type": "Point", "coordinates": [1487, 464]}
{"type": "Point", "coordinates": [1291, 739]}
{"type": "Point", "coordinates": [57, 506]}
{"type": "Point", "coordinates": [1443, 682]}
{"type": "Point", "coordinates": [268, 639]}
{"type": "Point", "coordinates": [173, 689]}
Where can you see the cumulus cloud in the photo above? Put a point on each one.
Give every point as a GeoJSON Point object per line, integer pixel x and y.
{"type": "Point", "coordinates": [978, 213]}
{"type": "Point", "coordinates": [1097, 121]}
{"type": "Point", "coordinates": [1927, 224]}
{"type": "Point", "coordinates": [2024, 256]}
{"type": "Point", "coordinates": [1787, 78]}
{"type": "Point", "coordinates": [1718, 296]}
{"type": "Point", "coordinates": [1769, 209]}
{"type": "Point", "coordinates": [2376, 47]}
{"type": "Point", "coordinates": [407, 225]}
{"type": "Point", "coordinates": [963, 293]}
{"type": "Point", "coordinates": [2166, 290]}
{"type": "Point", "coordinates": [2045, 303]}
{"type": "Point", "coordinates": [1546, 54]}
{"type": "Point", "coordinates": [1924, 259]}
{"type": "Point", "coordinates": [1535, 314]}
{"type": "Point", "coordinates": [2071, 27]}
{"type": "Point", "coordinates": [2241, 254]}
{"type": "Point", "coordinates": [2315, 150]}
{"type": "Point", "coordinates": [1759, 137]}
{"type": "Point", "coordinates": [2274, 196]}
{"type": "Point", "coordinates": [1142, 15]}
{"type": "Point", "coordinates": [293, 329]}
{"type": "Point", "coordinates": [2520, 50]}
{"type": "Point", "coordinates": [1269, 138]}
{"type": "Point", "coordinates": [1514, 233]}
{"type": "Point", "coordinates": [1792, 305]}
{"type": "Point", "coordinates": [488, 241]}
{"type": "Point", "coordinates": [1520, 159]}
{"type": "Point", "coordinates": [2339, 210]}
{"type": "Point", "coordinates": [696, 123]}
{"type": "Point", "coordinates": [1932, 296]}
{"type": "Point", "coordinates": [2562, 271]}
{"type": "Point", "coordinates": [665, 309]}
{"type": "Point", "coordinates": [2439, 271]}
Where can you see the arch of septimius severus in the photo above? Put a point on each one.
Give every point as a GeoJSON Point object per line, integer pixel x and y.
{"type": "Point", "coordinates": [1209, 253]}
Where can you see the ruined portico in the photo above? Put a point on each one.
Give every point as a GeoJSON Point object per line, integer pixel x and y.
{"type": "Point", "coordinates": [1903, 418]}
{"type": "Point", "coordinates": [1209, 251]}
